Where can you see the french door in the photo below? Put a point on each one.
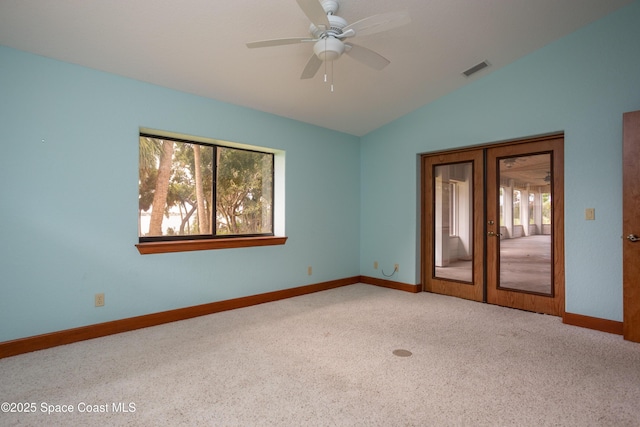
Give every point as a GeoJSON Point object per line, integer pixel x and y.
{"type": "Point", "coordinates": [453, 232]}
{"type": "Point", "coordinates": [492, 221]}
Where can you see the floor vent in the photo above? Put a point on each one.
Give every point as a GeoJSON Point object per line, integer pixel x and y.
{"type": "Point", "coordinates": [476, 68]}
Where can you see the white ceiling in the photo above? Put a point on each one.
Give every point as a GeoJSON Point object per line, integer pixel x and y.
{"type": "Point", "coordinates": [198, 46]}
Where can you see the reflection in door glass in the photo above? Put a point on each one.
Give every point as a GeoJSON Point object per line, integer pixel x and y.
{"type": "Point", "coordinates": [525, 234]}
{"type": "Point", "coordinates": [453, 214]}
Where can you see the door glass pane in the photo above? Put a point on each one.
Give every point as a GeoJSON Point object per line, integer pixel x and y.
{"type": "Point", "coordinates": [525, 234]}
{"type": "Point", "coordinates": [453, 221]}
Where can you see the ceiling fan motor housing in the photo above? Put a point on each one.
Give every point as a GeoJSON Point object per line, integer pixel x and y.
{"type": "Point", "coordinates": [336, 25]}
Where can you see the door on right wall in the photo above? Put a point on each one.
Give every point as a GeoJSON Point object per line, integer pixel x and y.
{"type": "Point", "coordinates": [631, 226]}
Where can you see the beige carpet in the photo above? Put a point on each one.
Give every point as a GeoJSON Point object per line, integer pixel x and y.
{"type": "Point", "coordinates": [326, 359]}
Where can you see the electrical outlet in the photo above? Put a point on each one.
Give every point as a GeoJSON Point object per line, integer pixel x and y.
{"type": "Point", "coordinates": [375, 265]}
{"type": "Point", "coordinates": [99, 299]}
{"type": "Point", "coordinates": [309, 271]}
{"type": "Point", "coordinates": [396, 267]}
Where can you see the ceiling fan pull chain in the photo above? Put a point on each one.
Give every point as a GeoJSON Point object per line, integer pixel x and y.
{"type": "Point", "coordinates": [331, 76]}
{"type": "Point", "coordinates": [325, 62]}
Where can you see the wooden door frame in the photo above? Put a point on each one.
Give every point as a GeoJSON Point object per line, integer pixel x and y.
{"type": "Point", "coordinates": [631, 268]}
{"type": "Point", "coordinates": [425, 224]}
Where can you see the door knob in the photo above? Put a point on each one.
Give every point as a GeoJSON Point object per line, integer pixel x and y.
{"type": "Point", "coordinates": [633, 238]}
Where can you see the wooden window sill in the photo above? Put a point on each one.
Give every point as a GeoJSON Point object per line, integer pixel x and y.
{"type": "Point", "coordinates": [202, 245]}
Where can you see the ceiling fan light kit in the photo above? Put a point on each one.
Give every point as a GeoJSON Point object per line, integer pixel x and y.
{"type": "Point", "coordinates": [328, 32]}
{"type": "Point", "coordinates": [328, 49]}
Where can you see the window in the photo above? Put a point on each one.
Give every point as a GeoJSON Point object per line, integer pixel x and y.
{"type": "Point", "coordinates": [502, 206]}
{"type": "Point", "coordinates": [516, 207]}
{"type": "Point", "coordinates": [532, 205]}
{"type": "Point", "coordinates": [190, 191]}
{"type": "Point", "coordinates": [453, 209]}
{"type": "Point", "coordinates": [546, 208]}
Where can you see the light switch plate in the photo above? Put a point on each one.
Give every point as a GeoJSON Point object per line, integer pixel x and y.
{"type": "Point", "coordinates": [590, 214]}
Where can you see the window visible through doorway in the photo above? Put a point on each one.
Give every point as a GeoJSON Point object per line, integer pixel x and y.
{"type": "Point", "coordinates": [453, 209]}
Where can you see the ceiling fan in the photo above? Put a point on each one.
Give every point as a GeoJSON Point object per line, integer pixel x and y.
{"type": "Point", "coordinates": [329, 32]}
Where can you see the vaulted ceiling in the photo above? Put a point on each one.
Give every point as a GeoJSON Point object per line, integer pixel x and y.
{"type": "Point", "coordinates": [199, 46]}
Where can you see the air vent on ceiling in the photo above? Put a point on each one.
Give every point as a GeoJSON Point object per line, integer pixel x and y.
{"type": "Point", "coordinates": [476, 68]}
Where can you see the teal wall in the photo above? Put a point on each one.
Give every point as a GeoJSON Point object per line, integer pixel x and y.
{"type": "Point", "coordinates": [581, 84]}
{"type": "Point", "coordinates": [68, 222]}
{"type": "Point", "coordinates": [68, 217]}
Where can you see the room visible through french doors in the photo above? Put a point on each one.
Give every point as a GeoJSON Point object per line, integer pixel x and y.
{"type": "Point", "coordinates": [492, 221]}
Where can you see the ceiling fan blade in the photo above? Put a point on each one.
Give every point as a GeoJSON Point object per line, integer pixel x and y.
{"type": "Point", "coordinates": [280, 42]}
{"type": "Point", "coordinates": [315, 12]}
{"type": "Point", "coordinates": [378, 23]}
{"type": "Point", "coordinates": [312, 67]}
{"type": "Point", "coordinates": [366, 56]}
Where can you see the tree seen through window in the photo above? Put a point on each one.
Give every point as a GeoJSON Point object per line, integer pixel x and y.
{"type": "Point", "coordinates": [179, 181]}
